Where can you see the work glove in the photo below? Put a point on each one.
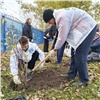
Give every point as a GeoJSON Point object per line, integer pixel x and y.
{"type": "Point", "coordinates": [52, 52]}
{"type": "Point", "coordinates": [29, 71]}
{"type": "Point", "coordinates": [32, 40]}
{"type": "Point", "coordinates": [16, 79]}
{"type": "Point", "coordinates": [42, 65]}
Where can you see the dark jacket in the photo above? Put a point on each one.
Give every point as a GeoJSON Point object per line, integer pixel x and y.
{"type": "Point", "coordinates": [95, 46]}
{"type": "Point", "coordinates": [52, 31]}
{"type": "Point", "coordinates": [27, 31]}
{"type": "Point", "coordinates": [45, 33]}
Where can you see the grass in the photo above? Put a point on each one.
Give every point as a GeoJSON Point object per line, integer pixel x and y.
{"type": "Point", "coordinates": [91, 92]}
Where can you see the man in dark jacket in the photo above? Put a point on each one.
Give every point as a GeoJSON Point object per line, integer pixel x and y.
{"type": "Point", "coordinates": [49, 33]}
{"type": "Point", "coordinates": [27, 30]}
{"type": "Point", "coordinates": [52, 32]}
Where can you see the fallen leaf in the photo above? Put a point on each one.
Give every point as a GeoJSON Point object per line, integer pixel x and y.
{"type": "Point", "coordinates": [53, 98]}
{"type": "Point", "coordinates": [1, 95]}
{"type": "Point", "coordinates": [98, 94]}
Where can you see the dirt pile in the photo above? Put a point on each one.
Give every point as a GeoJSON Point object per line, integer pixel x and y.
{"type": "Point", "coordinates": [48, 78]}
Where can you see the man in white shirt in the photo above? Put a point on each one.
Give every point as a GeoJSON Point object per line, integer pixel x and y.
{"type": "Point", "coordinates": [27, 52]}
{"type": "Point", "coordinates": [78, 28]}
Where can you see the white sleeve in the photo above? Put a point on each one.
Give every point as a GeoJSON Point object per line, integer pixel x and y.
{"type": "Point", "coordinates": [41, 53]}
{"type": "Point", "coordinates": [63, 30]}
{"type": "Point", "coordinates": [13, 64]}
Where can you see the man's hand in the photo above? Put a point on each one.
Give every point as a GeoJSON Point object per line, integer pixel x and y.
{"type": "Point", "coordinates": [52, 52]}
{"type": "Point", "coordinates": [16, 79]}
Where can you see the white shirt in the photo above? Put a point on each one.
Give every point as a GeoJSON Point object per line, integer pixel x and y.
{"type": "Point", "coordinates": [18, 53]}
{"type": "Point", "coordinates": [74, 25]}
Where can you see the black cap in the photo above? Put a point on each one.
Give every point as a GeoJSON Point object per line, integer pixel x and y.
{"type": "Point", "coordinates": [47, 15]}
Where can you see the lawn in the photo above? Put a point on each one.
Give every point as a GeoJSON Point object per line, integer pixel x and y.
{"type": "Point", "coordinates": [47, 84]}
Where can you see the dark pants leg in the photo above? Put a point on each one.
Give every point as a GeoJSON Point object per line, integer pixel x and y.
{"type": "Point", "coordinates": [80, 58]}
{"type": "Point", "coordinates": [46, 45]}
{"type": "Point", "coordinates": [73, 70]}
{"type": "Point", "coordinates": [31, 63]}
{"type": "Point", "coordinates": [60, 53]}
{"type": "Point", "coordinates": [45, 49]}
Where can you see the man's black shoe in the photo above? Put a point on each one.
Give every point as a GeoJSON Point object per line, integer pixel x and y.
{"type": "Point", "coordinates": [66, 76]}
{"type": "Point", "coordinates": [79, 84]}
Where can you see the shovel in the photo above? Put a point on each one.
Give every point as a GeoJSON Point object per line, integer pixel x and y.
{"type": "Point", "coordinates": [41, 62]}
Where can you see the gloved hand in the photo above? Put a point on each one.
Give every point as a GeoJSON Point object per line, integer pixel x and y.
{"type": "Point", "coordinates": [16, 79]}
{"type": "Point", "coordinates": [42, 65]}
{"type": "Point", "coordinates": [31, 40]}
{"type": "Point", "coordinates": [52, 52]}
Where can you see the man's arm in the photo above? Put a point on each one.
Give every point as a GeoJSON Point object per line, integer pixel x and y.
{"type": "Point", "coordinates": [96, 43]}
{"type": "Point", "coordinates": [13, 63]}
{"type": "Point", "coordinates": [14, 67]}
{"type": "Point", "coordinates": [63, 30]}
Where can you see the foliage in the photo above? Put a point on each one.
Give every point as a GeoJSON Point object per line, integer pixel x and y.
{"type": "Point", "coordinates": [42, 5]}
{"type": "Point", "coordinates": [96, 11]}
{"type": "Point", "coordinates": [10, 36]}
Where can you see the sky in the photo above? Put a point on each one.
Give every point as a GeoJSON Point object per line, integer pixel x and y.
{"type": "Point", "coordinates": [11, 7]}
